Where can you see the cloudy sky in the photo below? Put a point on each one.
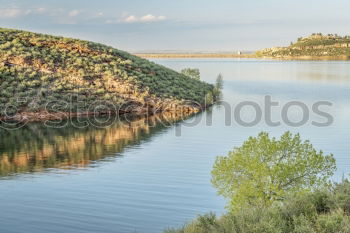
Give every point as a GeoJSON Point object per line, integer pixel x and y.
{"type": "Point", "coordinates": [203, 25]}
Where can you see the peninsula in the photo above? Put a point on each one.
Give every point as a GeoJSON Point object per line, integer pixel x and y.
{"type": "Point", "coordinates": [43, 76]}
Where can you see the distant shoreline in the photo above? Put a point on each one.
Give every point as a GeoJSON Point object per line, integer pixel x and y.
{"type": "Point", "coordinates": [308, 58]}
{"type": "Point", "coordinates": [229, 55]}
{"type": "Point", "coordinates": [194, 55]}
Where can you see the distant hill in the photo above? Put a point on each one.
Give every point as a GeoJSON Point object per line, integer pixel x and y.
{"type": "Point", "coordinates": [36, 69]}
{"type": "Point", "coordinates": [316, 45]}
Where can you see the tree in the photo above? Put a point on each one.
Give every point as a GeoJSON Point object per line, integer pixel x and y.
{"type": "Point", "coordinates": [209, 99]}
{"type": "Point", "coordinates": [263, 170]}
{"type": "Point", "coordinates": [219, 85]}
{"type": "Point", "coordinates": [192, 73]}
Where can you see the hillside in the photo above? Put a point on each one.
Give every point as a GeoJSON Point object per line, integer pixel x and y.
{"type": "Point", "coordinates": [38, 71]}
{"type": "Point", "coordinates": [316, 45]}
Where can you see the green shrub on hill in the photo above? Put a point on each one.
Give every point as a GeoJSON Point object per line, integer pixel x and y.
{"type": "Point", "coordinates": [35, 68]}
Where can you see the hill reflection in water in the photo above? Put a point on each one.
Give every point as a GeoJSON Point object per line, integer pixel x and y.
{"type": "Point", "coordinates": [36, 147]}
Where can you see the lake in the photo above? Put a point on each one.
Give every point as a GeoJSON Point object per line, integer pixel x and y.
{"type": "Point", "coordinates": [143, 176]}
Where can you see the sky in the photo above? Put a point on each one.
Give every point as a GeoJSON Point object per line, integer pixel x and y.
{"type": "Point", "coordinates": [181, 25]}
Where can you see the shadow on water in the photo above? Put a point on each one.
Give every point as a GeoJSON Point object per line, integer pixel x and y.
{"type": "Point", "coordinates": [38, 148]}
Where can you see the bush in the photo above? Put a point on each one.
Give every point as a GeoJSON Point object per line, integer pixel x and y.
{"type": "Point", "coordinates": [315, 211]}
{"type": "Point", "coordinates": [334, 222]}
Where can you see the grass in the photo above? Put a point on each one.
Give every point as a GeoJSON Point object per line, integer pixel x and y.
{"type": "Point", "coordinates": [37, 68]}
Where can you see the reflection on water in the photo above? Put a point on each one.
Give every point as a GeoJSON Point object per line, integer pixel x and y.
{"type": "Point", "coordinates": [163, 180]}
{"type": "Point", "coordinates": [36, 147]}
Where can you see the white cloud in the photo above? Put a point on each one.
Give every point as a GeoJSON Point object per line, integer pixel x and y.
{"type": "Point", "coordinates": [151, 18]}
{"type": "Point", "coordinates": [130, 19]}
{"type": "Point", "coordinates": [74, 13]}
{"type": "Point", "coordinates": [12, 13]}
{"type": "Point", "coordinates": [41, 10]}
{"type": "Point", "coordinates": [143, 19]}
{"type": "Point", "coordinates": [74, 16]}
{"type": "Point", "coordinates": [99, 14]}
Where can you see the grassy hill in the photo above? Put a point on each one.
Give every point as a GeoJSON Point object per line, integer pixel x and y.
{"type": "Point", "coordinates": [37, 69]}
{"type": "Point", "coordinates": [316, 45]}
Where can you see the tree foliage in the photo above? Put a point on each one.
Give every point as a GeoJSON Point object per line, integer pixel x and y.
{"type": "Point", "coordinates": [219, 85]}
{"type": "Point", "coordinates": [192, 73]}
{"type": "Point", "coordinates": [264, 170]}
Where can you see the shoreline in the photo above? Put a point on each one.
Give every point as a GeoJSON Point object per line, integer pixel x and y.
{"type": "Point", "coordinates": [194, 55]}
{"type": "Point", "coordinates": [43, 116]}
{"type": "Point", "coordinates": [228, 55]}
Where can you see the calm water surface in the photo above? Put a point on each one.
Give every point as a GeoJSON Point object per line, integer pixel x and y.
{"type": "Point", "coordinates": [144, 177]}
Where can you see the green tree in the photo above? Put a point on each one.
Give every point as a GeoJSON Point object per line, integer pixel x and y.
{"type": "Point", "coordinates": [192, 73]}
{"type": "Point", "coordinates": [219, 85]}
{"type": "Point", "coordinates": [264, 170]}
{"type": "Point", "coordinates": [209, 98]}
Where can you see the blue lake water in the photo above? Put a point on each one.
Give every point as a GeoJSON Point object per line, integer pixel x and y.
{"type": "Point", "coordinates": [144, 177]}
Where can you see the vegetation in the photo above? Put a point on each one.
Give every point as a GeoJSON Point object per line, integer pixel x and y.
{"type": "Point", "coordinates": [36, 69]}
{"type": "Point", "coordinates": [276, 186]}
{"type": "Point", "coordinates": [264, 170]}
{"type": "Point", "coordinates": [216, 94]}
{"type": "Point", "coordinates": [319, 211]}
{"type": "Point", "coordinates": [316, 45]}
{"type": "Point", "coordinates": [192, 73]}
{"type": "Point", "coordinates": [219, 85]}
